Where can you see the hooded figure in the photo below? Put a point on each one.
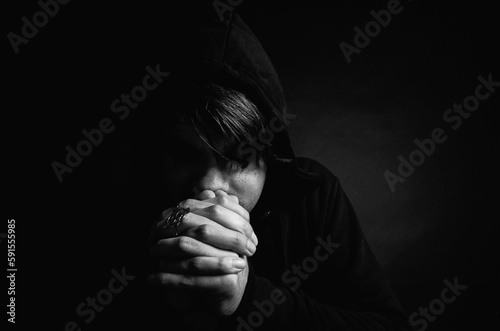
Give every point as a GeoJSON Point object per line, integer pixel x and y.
{"type": "Point", "coordinates": [309, 266]}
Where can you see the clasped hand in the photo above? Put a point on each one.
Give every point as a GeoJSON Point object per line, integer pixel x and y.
{"type": "Point", "coordinates": [208, 259]}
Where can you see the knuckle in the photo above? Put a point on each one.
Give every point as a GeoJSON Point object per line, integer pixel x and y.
{"type": "Point", "coordinates": [216, 210]}
{"type": "Point", "coordinates": [187, 203]}
{"type": "Point", "coordinates": [186, 218]}
{"type": "Point", "coordinates": [224, 200]}
{"type": "Point", "coordinates": [202, 231]}
{"type": "Point", "coordinates": [162, 278]}
{"type": "Point", "coordinates": [195, 264]}
{"type": "Point", "coordinates": [239, 240]}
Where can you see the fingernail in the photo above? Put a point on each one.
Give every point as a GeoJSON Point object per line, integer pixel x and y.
{"type": "Point", "coordinates": [239, 264]}
{"type": "Point", "coordinates": [254, 238]}
{"type": "Point", "coordinates": [251, 247]}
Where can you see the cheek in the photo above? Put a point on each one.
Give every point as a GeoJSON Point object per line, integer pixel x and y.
{"type": "Point", "coordinates": [248, 186]}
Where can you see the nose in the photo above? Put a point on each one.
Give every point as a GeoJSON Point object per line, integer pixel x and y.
{"type": "Point", "coordinates": [213, 179]}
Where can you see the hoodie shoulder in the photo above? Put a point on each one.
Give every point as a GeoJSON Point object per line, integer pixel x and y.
{"type": "Point", "coordinates": [315, 171]}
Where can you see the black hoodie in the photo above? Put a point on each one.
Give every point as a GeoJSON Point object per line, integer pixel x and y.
{"type": "Point", "coordinates": [313, 269]}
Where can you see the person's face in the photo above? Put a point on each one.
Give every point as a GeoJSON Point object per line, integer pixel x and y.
{"type": "Point", "coordinates": [190, 167]}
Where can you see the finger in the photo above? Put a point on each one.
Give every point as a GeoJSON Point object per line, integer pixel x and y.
{"type": "Point", "coordinates": [198, 207]}
{"type": "Point", "coordinates": [191, 282]}
{"type": "Point", "coordinates": [184, 246]}
{"type": "Point", "coordinates": [223, 238]}
{"type": "Point", "coordinates": [228, 201]}
{"type": "Point", "coordinates": [228, 219]}
{"type": "Point", "coordinates": [211, 233]}
{"type": "Point", "coordinates": [219, 193]}
{"type": "Point", "coordinates": [203, 265]}
{"type": "Point", "coordinates": [231, 202]}
{"type": "Point", "coordinates": [207, 194]}
{"type": "Point", "coordinates": [189, 220]}
{"type": "Point", "coordinates": [222, 206]}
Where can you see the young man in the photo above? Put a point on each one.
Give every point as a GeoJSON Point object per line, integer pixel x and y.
{"type": "Point", "coordinates": [253, 237]}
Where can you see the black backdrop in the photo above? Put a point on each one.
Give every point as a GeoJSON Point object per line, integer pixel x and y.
{"type": "Point", "coordinates": [356, 118]}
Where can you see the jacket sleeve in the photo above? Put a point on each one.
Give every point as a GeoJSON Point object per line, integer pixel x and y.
{"type": "Point", "coordinates": [347, 290]}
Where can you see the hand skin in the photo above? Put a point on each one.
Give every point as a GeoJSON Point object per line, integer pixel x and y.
{"type": "Point", "coordinates": [209, 257]}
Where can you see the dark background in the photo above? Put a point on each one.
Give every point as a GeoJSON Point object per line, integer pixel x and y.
{"type": "Point", "coordinates": [354, 118]}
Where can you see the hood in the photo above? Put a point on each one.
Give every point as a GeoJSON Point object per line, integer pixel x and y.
{"type": "Point", "coordinates": [228, 53]}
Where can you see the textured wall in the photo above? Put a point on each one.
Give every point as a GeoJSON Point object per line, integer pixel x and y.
{"type": "Point", "coordinates": [358, 117]}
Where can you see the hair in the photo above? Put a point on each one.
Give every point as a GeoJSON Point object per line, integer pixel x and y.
{"type": "Point", "coordinates": [224, 119]}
